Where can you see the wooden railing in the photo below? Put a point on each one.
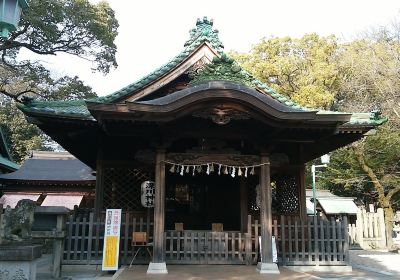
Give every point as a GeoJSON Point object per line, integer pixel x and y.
{"type": "Point", "coordinates": [311, 242]}
{"type": "Point", "coordinates": [369, 230]}
{"type": "Point", "coordinates": [85, 235]}
{"type": "Point", "coordinates": [205, 247]}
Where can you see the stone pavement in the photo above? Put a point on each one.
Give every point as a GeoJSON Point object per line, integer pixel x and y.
{"type": "Point", "coordinates": [367, 265]}
{"type": "Point", "coordinates": [377, 261]}
{"type": "Point", "coordinates": [241, 272]}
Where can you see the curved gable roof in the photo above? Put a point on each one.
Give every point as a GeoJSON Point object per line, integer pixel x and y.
{"type": "Point", "coordinates": [203, 42]}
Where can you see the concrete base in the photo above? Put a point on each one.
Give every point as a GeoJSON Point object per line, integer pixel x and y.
{"type": "Point", "coordinates": [320, 268]}
{"type": "Point", "coordinates": [267, 268]}
{"type": "Point", "coordinates": [18, 270]}
{"type": "Point", "coordinates": [157, 268]}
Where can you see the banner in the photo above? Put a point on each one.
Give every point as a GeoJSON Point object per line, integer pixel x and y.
{"type": "Point", "coordinates": [274, 250]}
{"type": "Point", "coordinates": [111, 239]}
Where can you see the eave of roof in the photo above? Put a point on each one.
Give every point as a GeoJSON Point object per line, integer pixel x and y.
{"type": "Point", "coordinates": [8, 164]}
{"type": "Point", "coordinates": [202, 34]}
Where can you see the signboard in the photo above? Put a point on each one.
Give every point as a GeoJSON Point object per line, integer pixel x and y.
{"type": "Point", "coordinates": [147, 194]}
{"type": "Point", "coordinates": [111, 239]}
{"type": "Point", "coordinates": [274, 251]}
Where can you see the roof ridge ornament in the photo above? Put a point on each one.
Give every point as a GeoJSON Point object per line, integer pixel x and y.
{"type": "Point", "coordinates": [204, 32]}
{"type": "Point", "coordinates": [223, 68]}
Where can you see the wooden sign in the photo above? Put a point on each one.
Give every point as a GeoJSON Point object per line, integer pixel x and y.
{"type": "Point", "coordinates": [147, 194]}
{"type": "Point", "coordinates": [111, 239]}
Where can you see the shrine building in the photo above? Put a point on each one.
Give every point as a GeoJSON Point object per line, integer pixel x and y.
{"type": "Point", "coordinates": [226, 152]}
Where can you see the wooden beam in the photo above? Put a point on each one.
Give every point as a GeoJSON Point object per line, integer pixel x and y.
{"type": "Point", "coordinates": [265, 210]}
{"type": "Point", "coordinates": [159, 208]}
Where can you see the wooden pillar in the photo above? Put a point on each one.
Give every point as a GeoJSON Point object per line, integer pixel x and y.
{"type": "Point", "coordinates": [266, 265]}
{"type": "Point", "coordinates": [302, 193]}
{"type": "Point", "coordinates": [99, 191]}
{"type": "Point", "coordinates": [157, 266]}
{"type": "Point", "coordinates": [243, 205]}
{"type": "Point", "coordinates": [265, 210]}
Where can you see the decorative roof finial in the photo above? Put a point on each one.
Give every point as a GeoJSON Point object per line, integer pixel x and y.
{"type": "Point", "coordinates": [204, 32]}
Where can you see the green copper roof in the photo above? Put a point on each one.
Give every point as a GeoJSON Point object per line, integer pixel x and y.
{"type": "Point", "coordinates": [8, 163]}
{"type": "Point", "coordinates": [225, 68]}
{"type": "Point", "coordinates": [73, 108]}
{"type": "Point", "coordinates": [222, 68]}
{"type": "Point", "coordinates": [202, 33]}
{"type": "Point", "coordinates": [373, 118]}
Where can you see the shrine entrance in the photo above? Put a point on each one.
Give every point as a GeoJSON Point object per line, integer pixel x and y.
{"type": "Point", "coordinates": [199, 201]}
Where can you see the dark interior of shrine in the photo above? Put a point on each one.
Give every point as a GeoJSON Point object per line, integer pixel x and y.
{"type": "Point", "coordinates": [198, 201]}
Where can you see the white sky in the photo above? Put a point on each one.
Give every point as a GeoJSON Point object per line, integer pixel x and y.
{"type": "Point", "coordinates": [152, 32]}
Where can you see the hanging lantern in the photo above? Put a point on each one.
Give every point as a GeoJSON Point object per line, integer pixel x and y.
{"type": "Point", "coordinates": [194, 169]}
{"type": "Point", "coordinates": [199, 169]}
{"type": "Point", "coordinates": [252, 172]}
{"type": "Point", "coordinates": [172, 169]}
{"type": "Point", "coordinates": [10, 13]}
{"type": "Point", "coordinates": [226, 172]}
{"type": "Point", "coordinates": [212, 167]}
{"type": "Point", "coordinates": [233, 172]}
{"type": "Point", "coordinates": [245, 172]}
{"type": "Point", "coordinates": [208, 169]}
{"type": "Point", "coordinates": [240, 172]}
{"type": "Point", "coordinates": [182, 169]}
{"type": "Point", "coordinates": [187, 169]}
{"type": "Point", "coordinates": [219, 169]}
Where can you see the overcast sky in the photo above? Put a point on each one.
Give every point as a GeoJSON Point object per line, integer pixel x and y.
{"type": "Point", "coordinates": [152, 32]}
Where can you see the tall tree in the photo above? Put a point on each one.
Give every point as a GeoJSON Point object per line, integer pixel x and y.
{"type": "Point", "coordinates": [371, 81]}
{"type": "Point", "coordinates": [50, 27]}
{"type": "Point", "coordinates": [304, 69]}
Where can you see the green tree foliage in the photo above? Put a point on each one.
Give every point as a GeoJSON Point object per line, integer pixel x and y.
{"type": "Point", "coordinates": [50, 27]}
{"type": "Point", "coordinates": [304, 69]}
{"type": "Point", "coordinates": [370, 168]}
{"type": "Point", "coordinates": [357, 76]}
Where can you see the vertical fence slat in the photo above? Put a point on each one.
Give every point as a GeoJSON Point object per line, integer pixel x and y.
{"type": "Point", "coordinates": [283, 241]}
{"type": "Point", "coordinates": [316, 247]}
{"type": "Point", "coordinates": [97, 241]}
{"type": "Point", "coordinates": [69, 242]}
{"type": "Point", "coordinates": [334, 248]}
{"type": "Point", "coordinates": [76, 238]}
{"type": "Point", "coordinates": [340, 240]}
{"type": "Point", "coordinates": [328, 248]}
{"type": "Point", "coordinates": [346, 241]}
{"type": "Point", "coordinates": [322, 242]}
{"type": "Point", "coordinates": [310, 249]}
{"type": "Point", "coordinates": [90, 237]}
{"type": "Point", "coordinates": [303, 241]}
{"type": "Point", "coordinates": [296, 239]}
{"type": "Point", "coordinates": [83, 239]}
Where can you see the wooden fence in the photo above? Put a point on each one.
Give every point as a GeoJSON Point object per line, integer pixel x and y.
{"type": "Point", "coordinates": [85, 235]}
{"type": "Point", "coordinates": [205, 247]}
{"type": "Point", "coordinates": [312, 242]}
{"type": "Point", "coordinates": [369, 230]}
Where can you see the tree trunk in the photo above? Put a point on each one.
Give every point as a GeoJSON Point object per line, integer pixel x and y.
{"type": "Point", "coordinates": [389, 226]}
{"type": "Point", "coordinates": [384, 201]}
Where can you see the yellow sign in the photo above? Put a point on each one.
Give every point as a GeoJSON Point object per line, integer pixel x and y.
{"type": "Point", "coordinates": [111, 239]}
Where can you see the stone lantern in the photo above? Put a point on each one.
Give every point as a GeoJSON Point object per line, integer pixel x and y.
{"type": "Point", "coordinates": [10, 13]}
